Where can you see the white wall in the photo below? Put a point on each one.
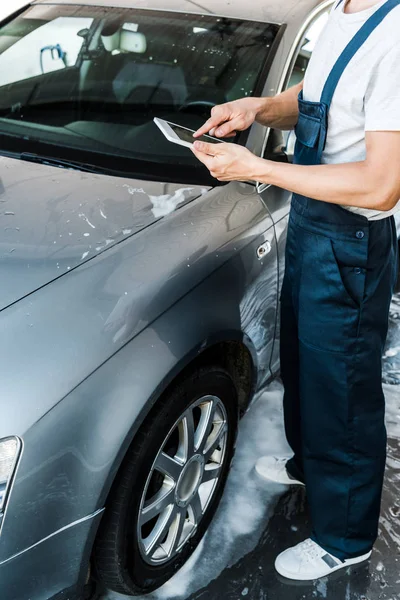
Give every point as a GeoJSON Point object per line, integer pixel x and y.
{"type": "Point", "coordinates": [22, 59]}
{"type": "Point", "coordinates": [9, 6]}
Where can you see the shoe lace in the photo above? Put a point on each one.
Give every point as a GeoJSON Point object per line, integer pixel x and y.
{"type": "Point", "coordinates": [310, 551]}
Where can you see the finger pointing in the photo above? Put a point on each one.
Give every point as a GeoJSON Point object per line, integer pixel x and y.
{"type": "Point", "coordinates": [209, 125]}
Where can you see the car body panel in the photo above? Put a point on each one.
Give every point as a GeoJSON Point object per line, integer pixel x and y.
{"type": "Point", "coordinates": [57, 219]}
{"type": "Point", "coordinates": [69, 474]}
{"type": "Point", "coordinates": [68, 329]}
{"type": "Point", "coordinates": [27, 575]}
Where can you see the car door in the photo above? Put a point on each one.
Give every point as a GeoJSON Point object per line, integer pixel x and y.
{"type": "Point", "coordinates": [280, 145]}
{"type": "Point", "coordinates": [257, 262]}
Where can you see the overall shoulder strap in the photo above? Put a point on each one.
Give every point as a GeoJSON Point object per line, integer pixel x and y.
{"type": "Point", "coordinates": [353, 47]}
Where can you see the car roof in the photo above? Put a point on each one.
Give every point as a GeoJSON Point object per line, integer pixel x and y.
{"type": "Point", "coordinates": [269, 11]}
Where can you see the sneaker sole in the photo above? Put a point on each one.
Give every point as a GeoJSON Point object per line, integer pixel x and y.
{"type": "Point", "coordinates": [349, 562]}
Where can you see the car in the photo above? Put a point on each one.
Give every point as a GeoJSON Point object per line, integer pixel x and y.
{"type": "Point", "coordinates": [140, 298]}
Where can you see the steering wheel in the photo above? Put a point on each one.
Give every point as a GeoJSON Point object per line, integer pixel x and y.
{"type": "Point", "coordinates": [205, 104]}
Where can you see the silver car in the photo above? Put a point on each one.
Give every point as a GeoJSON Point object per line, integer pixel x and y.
{"type": "Point", "coordinates": [139, 297]}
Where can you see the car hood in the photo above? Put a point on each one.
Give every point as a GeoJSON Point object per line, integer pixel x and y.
{"type": "Point", "coordinates": [53, 220]}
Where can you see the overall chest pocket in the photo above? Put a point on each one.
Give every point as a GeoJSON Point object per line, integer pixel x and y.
{"type": "Point", "coordinates": [311, 128]}
{"type": "Point", "coordinates": [308, 131]}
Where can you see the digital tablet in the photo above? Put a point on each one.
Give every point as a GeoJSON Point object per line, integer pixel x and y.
{"type": "Point", "coordinates": [182, 135]}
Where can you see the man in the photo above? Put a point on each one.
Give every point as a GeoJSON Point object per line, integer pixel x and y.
{"type": "Point", "coordinates": [341, 266]}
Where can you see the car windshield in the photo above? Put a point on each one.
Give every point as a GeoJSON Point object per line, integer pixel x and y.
{"type": "Point", "coordinates": [85, 82]}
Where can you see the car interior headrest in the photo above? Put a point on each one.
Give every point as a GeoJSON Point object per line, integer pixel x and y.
{"type": "Point", "coordinates": [115, 37]}
{"type": "Point", "coordinates": [132, 41]}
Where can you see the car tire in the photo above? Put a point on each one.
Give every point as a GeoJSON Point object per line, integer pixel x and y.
{"type": "Point", "coordinates": [170, 484]}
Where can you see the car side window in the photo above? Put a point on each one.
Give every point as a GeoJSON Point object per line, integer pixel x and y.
{"type": "Point", "coordinates": [279, 139]}
{"type": "Point", "coordinates": [306, 49]}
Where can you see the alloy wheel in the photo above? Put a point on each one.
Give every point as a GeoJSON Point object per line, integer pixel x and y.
{"type": "Point", "coordinates": [182, 480]}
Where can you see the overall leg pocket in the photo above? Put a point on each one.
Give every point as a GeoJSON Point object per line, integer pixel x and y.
{"type": "Point", "coordinates": [330, 296]}
{"type": "Point", "coordinates": [351, 266]}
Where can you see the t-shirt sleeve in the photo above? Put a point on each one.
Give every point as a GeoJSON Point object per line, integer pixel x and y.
{"type": "Point", "coordinates": [382, 101]}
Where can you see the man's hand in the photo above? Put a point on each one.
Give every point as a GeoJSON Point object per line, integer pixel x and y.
{"type": "Point", "coordinates": [229, 162]}
{"type": "Point", "coordinates": [227, 119]}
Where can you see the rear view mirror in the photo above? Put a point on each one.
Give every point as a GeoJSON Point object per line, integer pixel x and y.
{"type": "Point", "coordinates": [280, 148]}
{"type": "Point", "coordinates": [83, 33]}
{"type": "Point", "coordinates": [281, 145]}
{"type": "Point", "coordinates": [290, 146]}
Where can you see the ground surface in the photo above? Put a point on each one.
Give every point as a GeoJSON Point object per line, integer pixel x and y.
{"type": "Point", "coordinates": [257, 520]}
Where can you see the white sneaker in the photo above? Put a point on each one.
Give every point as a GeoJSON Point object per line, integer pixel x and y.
{"type": "Point", "coordinates": [308, 561]}
{"type": "Point", "coordinates": [273, 468]}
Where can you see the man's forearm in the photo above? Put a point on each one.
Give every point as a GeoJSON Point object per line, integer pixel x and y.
{"type": "Point", "coordinates": [352, 184]}
{"type": "Point", "coordinates": [282, 111]}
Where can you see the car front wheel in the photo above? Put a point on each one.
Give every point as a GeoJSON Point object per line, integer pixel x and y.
{"type": "Point", "coordinates": [170, 485]}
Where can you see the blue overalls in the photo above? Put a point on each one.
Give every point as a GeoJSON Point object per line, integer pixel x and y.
{"type": "Point", "coordinates": [339, 280]}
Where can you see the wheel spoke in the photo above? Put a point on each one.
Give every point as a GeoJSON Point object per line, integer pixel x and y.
{"type": "Point", "coordinates": [179, 529]}
{"type": "Point", "coordinates": [153, 541]}
{"type": "Point", "coordinates": [213, 444]}
{"type": "Point", "coordinates": [188, 433]}
{"type": "Point", "coordinates": [157, 504]}
{"type": "Point", "coordinates": [169, 466]}
{"type": "Point", "coordinates": [196, 509]}
{"type": "Point", "coordinates": [205, 425]}
{"type": "Point", "coordinates": [212, 473]}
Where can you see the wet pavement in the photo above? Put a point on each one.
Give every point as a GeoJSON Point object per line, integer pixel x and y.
{"type": "Point", "coordinates": [391, 359]}
{"type": "Point", "coordinates": [254, 576]}
{"type": "Point", "coordinates": [257, 520]}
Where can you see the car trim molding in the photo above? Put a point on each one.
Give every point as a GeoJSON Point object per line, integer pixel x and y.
{"type": "Point", "coordinates": [69, 526]}
{"type": "Point", "coordinates": [12, 481]}
{"type": "Point", "coordinates": [295, 47]}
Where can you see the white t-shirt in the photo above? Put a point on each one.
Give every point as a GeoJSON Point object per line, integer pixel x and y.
{"type": "Point", "coordinates": [368, 95]}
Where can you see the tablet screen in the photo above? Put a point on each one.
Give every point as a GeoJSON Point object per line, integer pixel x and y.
{"type": "Point", "coordinates": [186, 135]}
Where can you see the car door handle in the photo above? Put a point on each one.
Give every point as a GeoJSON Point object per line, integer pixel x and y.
{"type": "Point", "coordinates": [264, 249]}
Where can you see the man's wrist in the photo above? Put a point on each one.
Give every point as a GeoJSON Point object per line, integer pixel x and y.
{"type": "Point", "coordinates": [261, 109]}
{"type": "Point", "coordinates": [262, 170]}
{"type": "Point", "coordinates": [257, 106]}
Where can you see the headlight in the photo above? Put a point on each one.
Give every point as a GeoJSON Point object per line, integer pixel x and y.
{"type": "Point", "coordinates": [9, 453]}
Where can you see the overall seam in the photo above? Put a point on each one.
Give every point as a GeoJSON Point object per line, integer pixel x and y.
{"type": "Point", "coordinates": [325, 351]}
{"type": "Point", "coordinates": [351, 419]}
{"type": "Point", "coordinates": [353, 226]}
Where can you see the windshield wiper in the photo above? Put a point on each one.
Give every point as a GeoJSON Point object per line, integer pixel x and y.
{"type": "Point", "coordinates": [58, 162]}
